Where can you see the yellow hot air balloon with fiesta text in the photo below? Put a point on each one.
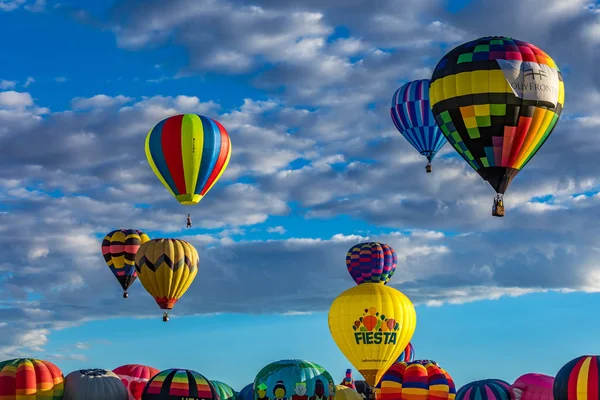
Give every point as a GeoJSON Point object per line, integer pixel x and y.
{"type": "Point", "coordinates": [372, 324]}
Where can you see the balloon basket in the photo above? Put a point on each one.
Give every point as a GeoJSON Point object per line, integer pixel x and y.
{"type": "Point", "coordinates": [125, 295]}
{"type": "Point", "coordinates": [428, 168]}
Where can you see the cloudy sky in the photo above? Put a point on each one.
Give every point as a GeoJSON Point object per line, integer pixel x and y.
{"type": "Point", "coordinates": [303, 88]}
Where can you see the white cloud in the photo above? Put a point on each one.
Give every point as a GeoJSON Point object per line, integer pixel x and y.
{"type": "Point", "coordinates": [4, 84]}
{"type": "Point", "coordinates": [28, 82]}
{"type": "Point", "coordinates": [276, 229]}
{"type": "Point", "coordinates": [99, 101]}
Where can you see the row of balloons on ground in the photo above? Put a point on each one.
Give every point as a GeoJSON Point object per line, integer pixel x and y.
{"type": "Point", "coordinates": [34, 379]}
{"type": "Point", "coordinates": [495, 99]}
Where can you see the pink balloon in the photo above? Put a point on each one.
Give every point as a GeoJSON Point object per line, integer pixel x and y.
{"type": "Point", "coordinates": [532, 387]}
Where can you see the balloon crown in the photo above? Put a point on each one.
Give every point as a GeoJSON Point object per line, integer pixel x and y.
{"type": "Point", "coordinates": [92, 372]}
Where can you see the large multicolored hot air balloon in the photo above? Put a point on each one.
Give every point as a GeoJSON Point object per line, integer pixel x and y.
{"type": "Point", "coordinates": [247, 392]}
{"type": "Point", "coordinates": [371, 262]}
{"type": "Point", "coordinates": [348, 381]}
{"type": "Point", "coordinates": [579, 379]}
{"type": "Point", "coordinates": [188, 153]}
{"type": "Point", "coordinates": [36, 379]}
{"type": "Point", "coordinates": [166, 268]}
{"type": "Point", "coordinates": [224, 391]}
{"type": "Point", "coordinates": [134, 377]}
{"type": "Point", "coordinates": [497, 100]}
{"type": "Point", "coordinates": [177, 384]}
{"type": "Point", "coordinates": [119, 248]}
{"type": "Point", "coordinates": [408, 354]}
{"type": "Point", "coordinates": [416, 380]}
{"type": "Point", "coordinates": [94, 384]}
{"type": "Point", "coordinates": [532, 387]}
{"type": "Point", "coordinates": [372, 324]}
{"type": "Point", "coordinates": [285, 378]}
{"type": "Point", "coordinates": [411, 114]}
{"type": "Point", "coordinates": [345, 393]}
{"type": "Point", "coordinates": [486, 389]}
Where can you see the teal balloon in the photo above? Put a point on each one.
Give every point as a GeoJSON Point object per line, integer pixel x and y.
{"type": "Point", "coordinates": [285, 378]}
{"type": "Point", "coordinates": [225, 391]}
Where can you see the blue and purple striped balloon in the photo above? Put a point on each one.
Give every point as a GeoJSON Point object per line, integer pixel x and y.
{"type": "Point", "coordinates": [486, 389]}
{"type": "Point", "coordinates": [412, 116]}
{"type": "Point", "coordinates": [371, 262]}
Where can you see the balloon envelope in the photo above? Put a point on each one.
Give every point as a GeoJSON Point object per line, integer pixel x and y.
{"type": "Point", "coordinates": [371, 262]}
{"type": "Point", "coordinates": [486, 389]}
{"type": "Point", "coordinates": [224, 391]}
{"type": "Point", "coordinates": [348, 381]}
{"type": "Point", "coordinates": [41, 379]}
{"type": "Point", "coordinates": [532, 387]}
{"type": "Point", "coordinates": [416, 380]}
{"type": "Point", "coordinates": [166, 268]}
{"type": "Point", "coordinates": [497, 100]}
{"type": "Point", "coordinates": [175, 384]}
{"type": "Point", "coordinates": [578, 379]}
{"type": "Point", "coordinates": [247, 392]}
{"type": "Point", "coordinates": [372, 324]}
{"type": "Point", "coordinates": [285, 378]}
{"type": "Point", "coordinates": [346, 393]}
{"type": "Point", "coordinates": [188, 153]}
{"type": "Point", "coordinates": [134, 377]}
{"type": "Point", "coordinates": [408, 354]}
{"type": "Point", "coordinates": [119, 248]}
{"type": "Point", "coordinates": [411, 114]}
{"type": "Point", "coordinates": [94, 384]}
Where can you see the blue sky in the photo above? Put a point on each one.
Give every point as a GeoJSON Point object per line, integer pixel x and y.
{"type": "Point", "coordinates": [317, 166]}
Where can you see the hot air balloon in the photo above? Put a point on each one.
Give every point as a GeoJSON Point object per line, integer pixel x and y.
{"type": "Point", "coordinates": [372, 323]}
{"type": "Point", "coordinates": [408, 354]}
{"type": "Point", "coordinates": [36, 379]}
{"type": "Point", "coordinates": [188, 153]}
{"type": "Point", "coordinates": [348, 380]}
{"type": "Point", "coordinates": [486, 389]}
{"type": "Point", "coordinates": [247, 392]}
{"type": "Point", "coordinates": [285, 378]}
{"type": "Point", "coordinates": [415, 380]}
{"type": "Point", "coordinates": [363, 389]}
{"type": "Point", "coordinates": [497, 100]}
{"type": "Point", "coordinates": [224, 391]}
{"type": "Point", "coordinates": [177, 384]}
{"type": "Point", "coordinates": [532, 387]}
{"type": "Point", "coordinates": [411, 114]}
{"type": "Point", "coordinates": [94, 384]}
{"type": "Point", "coordinates": [345, 393]}
{"type": "Point", "coordinates": [119, 248]}
{"type": "Point", "coordinates": [579, 379]}
{"type": "Point", "coordinates": [166, 268]}
{"type": "Point", "coordinates": [371, 262]}
{"type": "Point", "coordinates": [134, 377]}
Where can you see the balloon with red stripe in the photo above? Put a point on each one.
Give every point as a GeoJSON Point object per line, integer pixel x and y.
{"type": "Point", "coordinates": [188, 153]}
{"type": "Point", "coordinates": [416, 380]}
{"type": "Point", "coordinates": [371, 262]}
{"type": "Point", "coordinates": [578, 379]}
{"type": "Point", "coordinates": [485, 389]}
{"type": "Point", "coordinates": [408, 354]}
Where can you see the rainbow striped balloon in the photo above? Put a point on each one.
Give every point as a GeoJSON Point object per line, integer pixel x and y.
{"type": "Point", "coordinates": [32, 379]}
{"type": "Point", "coordinates": [578, 379]}
{"type": "Point", "coordinates": [408, 354]}
{"type": "Point", "coordinates": [416, 380]}
{"type": "Point", "coordinates": [486, 389]}
{"type": "Point", "coordinates": [371, 262]}
{"type": "Point", "coordinates": [174, 384]}
{"type": "Point", "coordinates": [188, 153]}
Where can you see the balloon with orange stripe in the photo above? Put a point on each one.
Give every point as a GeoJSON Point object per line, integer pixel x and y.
{"type": "Point", "coordinates": [188, 153]}
{"type": "Point", "coordinates": [578, 379]}
{"type": "Point", "coordinates": [416, 380]}
{"type": "Point", "coordinates": [31, 379]}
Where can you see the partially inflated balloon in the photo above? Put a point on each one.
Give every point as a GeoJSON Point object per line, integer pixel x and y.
{"type": "Point", "coordinates": [579, 379]}
{"type": "Point", "coordinates": [486, 389]}
{"type": "Point", "coordinates": [134, 377]}
{"type": "Point", "coordinates": [372, 324]}
{"type": "Point", "coordinates": [37, 379]}
{"type": "Point", "coordinates": [497, 100]}
{"type": "Point", "coordinates": [94, 384]}
{"type": "Point", "coordinates": [224, 391]}
{"type": "Point", "coordinates": [416, 380]}
{"type": "Point", "coordinates": [119, 248]}
{"type": "Point", "coordinates": [177, 384]}
{"type": "Point", "coordinates": [532, 387]}
{"type": "Point", "coordinates": [371, 262]}
{"type": "Point", "coordinates": [411, 114]}
{"type": "Point", "coordinates": [188, 153]}
{"type": "Point", "coordinates": [166, 268]}
{"type": "Point", "coordinates": [247, 392]}
{"type": "Point", "coordinates": [345, 393]}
